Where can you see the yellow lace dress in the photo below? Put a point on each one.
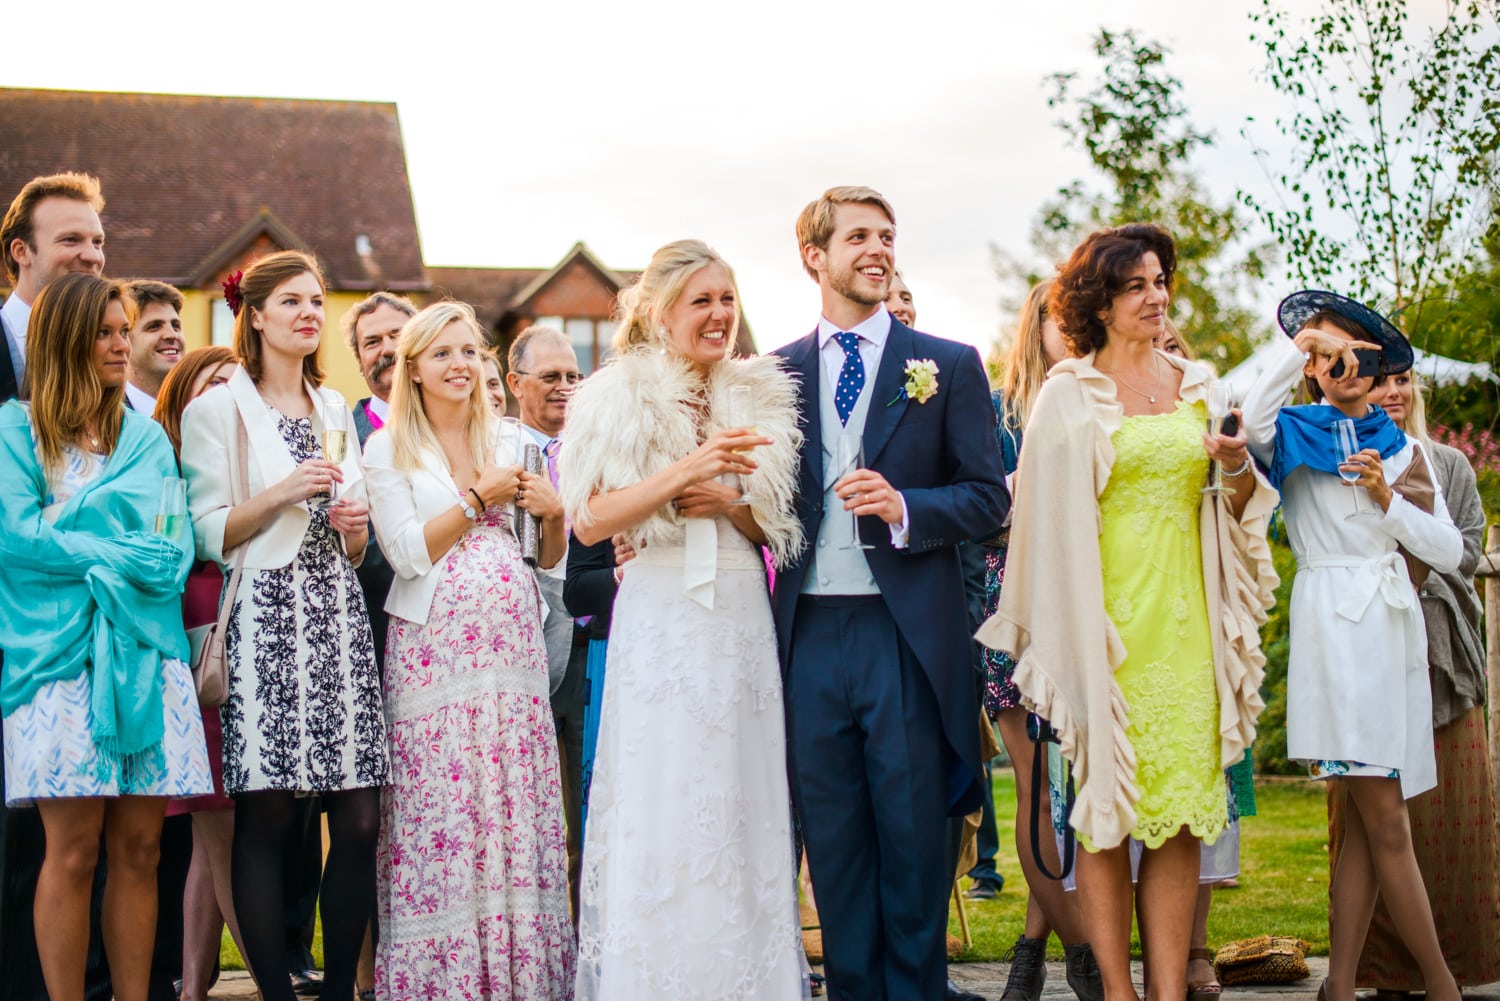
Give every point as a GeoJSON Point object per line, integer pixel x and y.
{"type": "Point", "coordinates": [1153, 592]}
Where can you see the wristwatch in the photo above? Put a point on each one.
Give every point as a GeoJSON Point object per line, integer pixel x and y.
{"type": "Point", "coordinates": [469, 511]}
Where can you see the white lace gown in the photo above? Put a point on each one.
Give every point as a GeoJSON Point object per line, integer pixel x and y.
{"type": "Point", "coordinates": [687, 885]}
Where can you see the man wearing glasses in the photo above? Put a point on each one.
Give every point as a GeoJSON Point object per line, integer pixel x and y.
{"type": "Point", "coordinates": [542, 373]}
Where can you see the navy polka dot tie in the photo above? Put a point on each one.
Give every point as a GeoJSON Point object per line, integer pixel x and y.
{"type": "Point", "coordinates": [851, 376]}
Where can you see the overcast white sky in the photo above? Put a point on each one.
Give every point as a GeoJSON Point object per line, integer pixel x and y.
{"type": "Point", "coordinates": [531, 125]}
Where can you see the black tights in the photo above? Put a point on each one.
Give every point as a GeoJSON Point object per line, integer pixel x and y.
{"type": "Point", "coordinates": [262, 824]}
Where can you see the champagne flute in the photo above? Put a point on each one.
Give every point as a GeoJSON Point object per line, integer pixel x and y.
{"type": "Point", "coordinates": [335, 445]}
{"type": "Point", "coordinates": [1219, 404]}
{"type": "Point", "coordinates": [172, 508]}
{"type": "Point", "coordinates": [849, 455]}
{"type": "Point", "coordinates": [742, 416]}
{"type": "Point", "coordinates": [1345, 445]}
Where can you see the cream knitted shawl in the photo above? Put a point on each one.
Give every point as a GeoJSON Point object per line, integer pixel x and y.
{"type": "Point", "coordinates": [1051, 616]}
{"type": "Point", "coordinates": [636, 416]}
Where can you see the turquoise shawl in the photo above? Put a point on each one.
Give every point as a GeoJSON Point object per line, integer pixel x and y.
{"type": "Point", "coordinates": [95, 590]}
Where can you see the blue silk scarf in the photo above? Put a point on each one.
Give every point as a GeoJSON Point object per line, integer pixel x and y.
{"type": "Point", "coordinates": [1304, 438]}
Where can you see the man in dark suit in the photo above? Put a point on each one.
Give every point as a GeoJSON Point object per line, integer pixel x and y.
{"type": "Point", "coordinates": [882, 720]}
{"type": "Point", "coordinates": [51, 228]}
{"type": "Point", "coordinates": [156, 343]}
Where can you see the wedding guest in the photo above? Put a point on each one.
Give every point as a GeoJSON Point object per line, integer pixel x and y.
{"type": "Point", "coordinates": [472, 875]}
{"type": "Point", "coordinates": [156, 343]}
{"type": "Point", "coordinates": [692, 740]}
{"type": "Point", "coordinates": [207, 905]}
{"type": "Point", "coordinates": [101, 713]}
{"type": "Point", "coordinates": [304, 713]}
{"type": "Point", "coordinates": [1453, 825]}
{"type": "Point", "coordinates": [1116, 439]}
{"type": "Point", "coordinates": [1359, 702]}
{"type": "Point", "coordinates": [898, 301]}
{"type": "Point", "coordinates": [494, 383]}
{"type": "Point", "coordinates": [1038, 346]}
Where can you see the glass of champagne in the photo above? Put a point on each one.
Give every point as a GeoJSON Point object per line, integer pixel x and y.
{"type": "Point", "coordinates": [335, 445]}
{"type": "Point", "coordinates": [741, 417]}
{"type": "Point", "coordinates": [171, 510]}
{"type": "Point", "coordinates": [849, 455]}
{"type": "Point", "coordinates": [1345, 445]}
{"type": "Point", "coordinates": [1219, 405]}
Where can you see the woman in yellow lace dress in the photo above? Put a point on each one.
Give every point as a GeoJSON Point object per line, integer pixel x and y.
{"type": "Point", "coordinates": [1132, 599]}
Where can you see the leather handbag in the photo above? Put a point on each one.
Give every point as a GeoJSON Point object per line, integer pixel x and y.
{"type": "Point", "coordinates": [210, 663]}
{"type": "Point", "coordinates": [1415, 484]}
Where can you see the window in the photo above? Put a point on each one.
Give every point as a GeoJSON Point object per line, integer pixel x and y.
{"type": "Point", "coordinates": [221, 323]}
{"type": "Point", "coordinates": [581, 332]}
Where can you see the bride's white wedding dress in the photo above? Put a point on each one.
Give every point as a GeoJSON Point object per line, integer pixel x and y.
{"type": "Point", "coordinates": [687, 885]}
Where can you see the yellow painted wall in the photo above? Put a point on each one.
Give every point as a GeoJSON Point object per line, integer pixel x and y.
{"type": "Point", "coordinates": [339, 365]}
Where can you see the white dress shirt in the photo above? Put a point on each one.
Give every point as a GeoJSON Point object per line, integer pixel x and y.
{"type": "Point", "coordinates": [872, 337]}
{"type": "Point", "coordinates": [14, 316]}
{"type": "Point", "coordinates": [140, 401]}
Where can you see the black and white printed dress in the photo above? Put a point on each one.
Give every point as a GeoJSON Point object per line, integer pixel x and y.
{"type": "Point", "coordinates": [304, 710]}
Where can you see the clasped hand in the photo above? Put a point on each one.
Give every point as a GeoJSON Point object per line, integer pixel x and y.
{"type": "Point", "coordinates": [866, 492]}
{"type": "Point", "coordinates": [1371, 471]}
{"type": "Point", "coordinates": [1230, 451]}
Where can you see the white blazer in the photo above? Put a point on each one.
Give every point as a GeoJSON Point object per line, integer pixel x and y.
{"type": "Point", "coordinates": [401, 504]}
{"type": "Point", "coordinates": [209, 438]}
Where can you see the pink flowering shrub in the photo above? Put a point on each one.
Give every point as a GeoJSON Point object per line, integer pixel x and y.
{"type": "Point", "coordinates": [1481, 446]}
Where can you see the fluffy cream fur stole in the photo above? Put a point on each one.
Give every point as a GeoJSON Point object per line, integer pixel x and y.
{"type": "Point", "coordinates": [636, 416]}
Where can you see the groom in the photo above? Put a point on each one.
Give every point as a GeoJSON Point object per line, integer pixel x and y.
{"type": "Point", "coordinates": [883, 743]}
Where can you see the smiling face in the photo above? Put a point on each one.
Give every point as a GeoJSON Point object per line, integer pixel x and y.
{"type": "Point", "coordinates": [111, 352]}
{"type": "Point", "coordinates": [544, 381]}
{"type": "Point", "coordinates": [66, 236]}
{"type": "Point", "coordinates": [1138, 311]}
{"type": "Point", "coordinates": [292, 321]}
{"type": "Point", "coordinates": [860, 259]}
{"type": "Point", "coordinates": [448, 369]}
{"type": "Point", "coordinates": [899, 302]}
{"type": "Point", "coordinates": [701, 324]}
{"type": "Point", "coordinates": [155, 345]}
{"type": "Point", "coordinates": [375, 337]}
{"type": "Point", "coordinates": [1394, 396]}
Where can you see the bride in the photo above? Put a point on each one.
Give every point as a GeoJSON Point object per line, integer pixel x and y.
{"type": "Point", "coordinates": [687, 884]}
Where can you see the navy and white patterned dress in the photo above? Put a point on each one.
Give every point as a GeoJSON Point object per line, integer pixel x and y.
{"type": "Point", "coordinates": [49, 741]}
{"type": "Point", "coordinates": [304, 711]}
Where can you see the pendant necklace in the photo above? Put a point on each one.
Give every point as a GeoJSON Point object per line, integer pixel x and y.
{"type": "Point", "coordinates": [1151, 396]}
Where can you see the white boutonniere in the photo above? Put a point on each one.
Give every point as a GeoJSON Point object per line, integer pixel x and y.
{"type": "Point", "coordinates": [921, 381]}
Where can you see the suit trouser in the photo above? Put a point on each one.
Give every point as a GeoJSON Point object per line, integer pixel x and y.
{"type": "Point", "coordinates": [869, 765]}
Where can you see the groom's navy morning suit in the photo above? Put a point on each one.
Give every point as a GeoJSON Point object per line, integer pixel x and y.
{"type": "Point", "coordinates": [883, 741]}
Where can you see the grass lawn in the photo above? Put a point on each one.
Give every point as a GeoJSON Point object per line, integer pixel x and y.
{"type": "Point", "coordinates": [1283, 878]}
{"type": "Point", "coordinates": [1283, 875]}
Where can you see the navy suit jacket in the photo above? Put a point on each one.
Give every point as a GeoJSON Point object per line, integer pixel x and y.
{"type": "Point", "coordinates": [9, 388]}
{"type": "Point", "coordinates": [941, 455]}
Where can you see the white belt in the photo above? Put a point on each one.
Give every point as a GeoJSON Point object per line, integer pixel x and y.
{"type": "Point", "coordinates": [1381, 576]}
{"type": "Point", "coordinates": [700, 558]}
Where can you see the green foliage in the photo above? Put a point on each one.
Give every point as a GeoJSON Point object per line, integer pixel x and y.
{"type": "Point", "coordinates": [1394, 140]}
{"type": "Point", "coordinates": [1283, 875]}
{"type": "Point", "coordinates": [1135, 129]}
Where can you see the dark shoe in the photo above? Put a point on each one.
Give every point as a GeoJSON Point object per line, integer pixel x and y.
{"type": "Point", "coordinates": [368, 994]}
{"type": "Point", "coordinates": [308, 983]}
{"type": "Point", "coordinates": [957, 993]}
{"type": "Point", "coordinates": [1028, 970]}
{"type": "Point", "coordinates": [1083, 972]}
{"type": "Point", "coordinates": [817, 985]}
{"type": "Point", "coordinates": [985, 889]}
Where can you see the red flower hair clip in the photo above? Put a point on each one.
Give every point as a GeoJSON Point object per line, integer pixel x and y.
{"type": "Point", "coordinates": [233, 297]}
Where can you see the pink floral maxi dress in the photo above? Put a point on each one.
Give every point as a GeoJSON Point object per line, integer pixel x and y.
{"type": "Point", "coordinates": [473, 893]}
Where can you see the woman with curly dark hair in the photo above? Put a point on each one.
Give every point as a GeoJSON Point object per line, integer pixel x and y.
{"type": "Point", "coordinates": [1132, 598]}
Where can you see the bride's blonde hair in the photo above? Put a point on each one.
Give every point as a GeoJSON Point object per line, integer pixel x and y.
{"type": "Point", "coordinates": [410, 430]}
{"type": "Point", "coordinates": [643, 305]}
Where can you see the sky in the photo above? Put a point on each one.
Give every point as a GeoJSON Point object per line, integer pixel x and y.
{"type": "Point", "coordinates": [529, 126]}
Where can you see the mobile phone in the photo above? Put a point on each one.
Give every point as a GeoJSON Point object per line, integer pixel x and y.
{"type": "Point", "coordinates": [1369, 364]}
{"type": "Point", "coordinates": [1231, 426]}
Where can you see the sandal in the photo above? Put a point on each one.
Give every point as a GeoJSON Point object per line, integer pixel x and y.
{"type": "Point", "coordinates": [1210, 991]}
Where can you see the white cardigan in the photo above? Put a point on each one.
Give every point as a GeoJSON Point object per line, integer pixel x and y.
{"type": "Point", "coordinates": [209, 438]}
{"type": "Point", "coordinates": [401, 504]}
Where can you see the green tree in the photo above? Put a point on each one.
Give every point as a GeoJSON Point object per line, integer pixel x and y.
{"type": "Point", "coordinates": [1386, 190]}
{"type": "Point", "coordinates": [1135, 129]}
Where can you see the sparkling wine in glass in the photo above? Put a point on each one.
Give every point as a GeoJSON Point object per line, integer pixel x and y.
{"type": "Point", "coordinates": [335, 445]}
{"type": "Point", "coordinates": [741, 416]}
{"type": "Point", "coordinates": [1219, 405]}
{"type": "Point", "coordinates": [849, 455]}
{"type": "Point", "coordinates": [171, 510]}
{"type": "Point", "coordinates": [1345, 445]}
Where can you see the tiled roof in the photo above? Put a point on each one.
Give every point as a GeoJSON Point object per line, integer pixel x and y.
{"type": "Point", "coordinates": [186, 178]}
{"type": "Point", "coordinates": [489, 290]}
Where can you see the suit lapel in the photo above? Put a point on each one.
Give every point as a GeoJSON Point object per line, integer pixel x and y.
{"type": "Point", "coordinates": [9, 389]}
{"type": "Point", "coordinates": [884, 415]}
{"type": "Point", "coordinates": [803, 361]}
